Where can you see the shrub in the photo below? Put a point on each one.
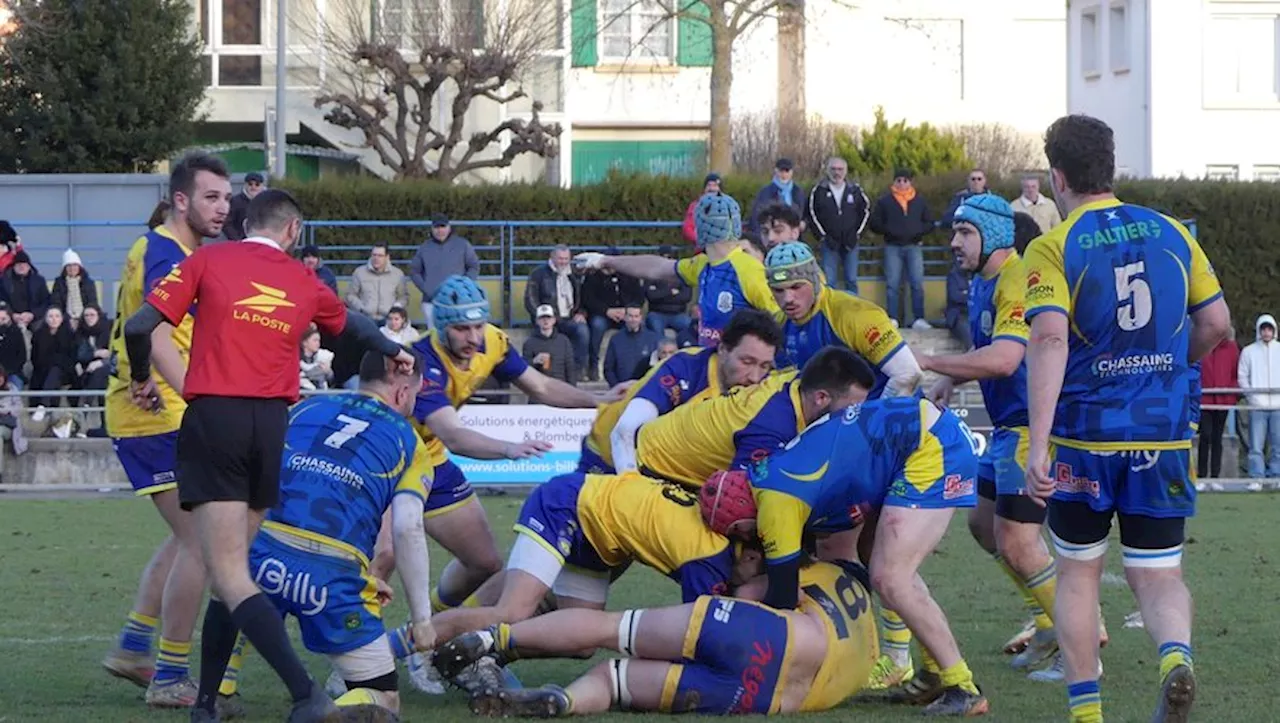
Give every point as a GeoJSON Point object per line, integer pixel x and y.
{"type": "Point", "coordinates": [924, 149]}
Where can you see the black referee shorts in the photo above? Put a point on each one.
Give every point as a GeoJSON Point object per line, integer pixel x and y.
{"type": "Point", "coordinates": [229, 450]}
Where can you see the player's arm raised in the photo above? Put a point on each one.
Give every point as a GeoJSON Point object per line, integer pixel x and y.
{"type": "Point", "coordinates": [542, 389]}
{"type": "Point", "coordinates": [447, 426]}
{"type": "Point", "coordinates": [644, 266]}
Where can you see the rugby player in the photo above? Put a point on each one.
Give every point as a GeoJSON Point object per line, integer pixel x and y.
{"type": "Point", "coordinates": [781, 224]}
{"type": "Point", "coordinates": [146, 442]}
{"type": "Point", "coordinates": [983, 244]}
{"type": "Point", "coordinates": [689, 444]}
{"type": "Point", "coordinates": [461, 352]}
{"type": "Point", "coordinates": [818, 316]}
{"type": "Point", "coordinates": [743, 358]}
{"type": "Point", "coordinates": [734, 656]}
{"type": "Point", "coordinates": [725, 275]}
{"type": "Point", "coordinates": [909, 456]}
{"type": "Point", "coordinates": [576, 530]}
{"type": "Point", "coordinates": [1109, 387]}
{"type": "Point", "coordinates": [352, 459]}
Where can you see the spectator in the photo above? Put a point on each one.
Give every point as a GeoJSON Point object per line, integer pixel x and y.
{"type": "Point", "coordinates": [93, 337]}
{"type": "Point", "coordinates": [690, 336]}
{"type": "Point", "coordinates": [710, 184]}
{"type": "Point", "coordinates": [442, 255]}
{"type": "Point", "coordinates": [377, 287]}
{"type": "Point", "coordinates": [10, 245]}
{"type": "Point", "coordinates": [159, 214]}
{"type": "Point", "coordinates": [668, 302]}
{"type": "Point", "coordinates": [11, 413]}
{"type": "Point", "coordinates": [1044, 211]}
{"type": "Point", "coordinates": [902, 217]}
{"type": "Point", "coordinates": [783, 190]}
{"type": "Point", "coordinates": [976, 184]}
{"type": "Point", "coordinates": [316, 364]}
{"type": "Point", "coordinates": [53, 357]}
{"type": "Point", "coordinates": [779, 224]}
{"type": "Point", "coordinates": [1259, 368]}
{"type": "Point", "coordinates": [557, 286]}
{"type": "Point", "coordinates": [74, 289]}
{"type": "Point", "coordinates": [397, 327]}
{"type": "Point", "coordinates": [26, 289]}
{"type": "Point", "coordinates": [666, 347]}
{"type": "Point", "coordinates": [548, 350]}
{"type": "Point", "coordinates": [13, 348]}
{"type": "Point", "coordinates": [630, 349]}
{"type": "Point", "coordinates": [233, 228]}
{"type": "Point", "coordinates": [311, 259]}
{"type": "Point", "coordinates": [1025, 230]}
{"type": "Point", "coordinates": [1217, 371]}
{"type": "Point", "coordinates": [605, 297]}
{"type": "Point", "coordinates": [957, 312]}
{"type": "Point", "coordinates": [838, 212]}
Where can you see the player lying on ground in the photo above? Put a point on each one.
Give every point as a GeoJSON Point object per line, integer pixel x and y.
{"type": "Point", "coordinates": [576, 530]}
{"type": "Point", "coordinates": [731, 656]}
{"type": "Point", "coordinates": [906, 454]}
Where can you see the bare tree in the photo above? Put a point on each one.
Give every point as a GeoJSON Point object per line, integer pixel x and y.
{"type": "Point", "coordinates": [759, 139]}
{"type": "Point", "coordinates": [999, 149]}
{"type": "Point", "coordinates": [409, 74]}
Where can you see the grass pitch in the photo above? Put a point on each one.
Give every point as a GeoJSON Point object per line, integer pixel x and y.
{"type": "Point", "coordinates": [68, 569]}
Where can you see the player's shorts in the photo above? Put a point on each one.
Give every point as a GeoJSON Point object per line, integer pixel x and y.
{"type": "Point", "coordinates": [150, 463]}
{"type": "Point", "coordinates": [734, 657]}
{"type": "Point", "coordinates": [449, 489]}
{"type": "Point", "coordinates": [551, 546]}
{"type": "Point", "coordinates": [942, 473]}
{"type": "Point", "coordinates": [590, 461]}
{"type": "Point", "coordinates": [1152, 483]}
{"type": "Point", "coordinates": [332, 595]}
{"type": "Point", "coordinates": [229, 449]}
{"type": "Point", "coordinates": [1008, 453]}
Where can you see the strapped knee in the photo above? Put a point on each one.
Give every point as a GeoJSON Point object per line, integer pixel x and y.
{"type": "Point", "coordinates": [628, 628]}
{"type": "Point", "coordinates": [618, 683]}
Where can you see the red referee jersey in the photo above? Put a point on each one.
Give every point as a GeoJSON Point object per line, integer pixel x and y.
{"type": "Point", "coordinates": [252, 304]}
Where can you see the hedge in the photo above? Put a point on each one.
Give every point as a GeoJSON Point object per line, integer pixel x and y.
{"type": "Point", "coordinates": [1239, 223]}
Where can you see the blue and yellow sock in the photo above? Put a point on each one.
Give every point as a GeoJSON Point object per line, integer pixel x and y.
{"type": "Point", "coordinates": [1043, 587]}
{"type": "Point", "coordinates": [441, 602]}
{"type": "Point", "coordinates": [230, 684]}
{"type": "Point", "coordinates": [1085, 701]}
{"type": "Point", "coordinates": [173, 662]}
{"type": "Point", "coordinates": [959, 676]}
{"type": "Point", "coordinates": [1043, 621]}
{"type": "Point", "coordinates": [402, 641]}
{"type": "Point", "coordinates": [1171, 656]}
{"type": "Point", "coordinates": [896, 641]}
{"type": "Point", "coordinates": [137, 633]}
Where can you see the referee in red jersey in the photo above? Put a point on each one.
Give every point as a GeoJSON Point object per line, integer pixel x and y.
{"type": "Point", "coordinates": [255, 302]}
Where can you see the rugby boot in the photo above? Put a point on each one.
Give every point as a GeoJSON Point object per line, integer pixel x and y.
{"type": "Point", "coordinates": [457, 654]}
{"type": "Point", "coordinates": [549, 701]}
{"type": "Point", "coordinates": [922, 689]}
{"type": "Point", "coordinates": [1043, 646]}
{"type": "Point", "coordinates": [137, 668]}
{"type": "Point", "coordinates": [423, 676]}
{"type": "Point", "coordinates": [1056, 671]}
{"type": "Point", "coordinates": [1176, 696]}
{"type": "Point", "coordinates": [957, 702]}
{"type": "Point", "coordinates": [335, 686]}
{"type": "Point", "coordinates": [317, 708]}
{"type": "Point", "coordinates": [178, 694]}
{"type": "Point", "coordinates": [888, 674]}
{"type": "Point", "coordinates": [484, 674]}
{"type": "Point", "coordinates": [230, 707]}
{"type": "Point", "coordinates": [1019, 642]}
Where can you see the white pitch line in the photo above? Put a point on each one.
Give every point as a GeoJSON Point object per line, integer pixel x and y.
{"type": "Point", "coordinates": [57, 640]}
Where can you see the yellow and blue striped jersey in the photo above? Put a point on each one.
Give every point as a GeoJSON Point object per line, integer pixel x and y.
{"type": "Point", "coordinates": [997, 311]}
{"type": "Point", "coordinates": [345, 457]}
{"type": "Point", "coordinates": [446, 384]}
{"type": "Point", "coordinates": [728, 432]}
{"type": "Point", "coordinates": [734, 282]}
{"type": "Point", "coordinates": [847, 458]}
{"type": "Point", "coordinates": [628, 517]}
{"type": "Point", "coordinates": [839, 318]}
{"type": "Point", "coordinates": [150, 259]}
{"type": "Point", "coordinates": [689, 376]}
{"type": "Point", "coordinates": [1126, 277]}
{"type": "Point", "coordinates": [839, 591]}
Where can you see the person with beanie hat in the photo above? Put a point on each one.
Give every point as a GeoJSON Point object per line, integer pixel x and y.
{"type": "Point", "coordinates": [74, 289]}
{"type": "Point", "coordinates": [724, 276]}
{"type": "Point", "coordinates": [818, 316]}
{"type": "Point", "coordinates": [1006, 523]}
{"type": "Point", "coordinates": [26, 290]}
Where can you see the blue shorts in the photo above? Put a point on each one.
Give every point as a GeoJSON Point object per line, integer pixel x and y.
{"type": "Point", "coordinates": [449, 489]}
{"type": "Point", "coordinates": [1152, 483]}
{"type": "Point", "coordinates": [550, 515]}
{"type": "Point", "coordinates": [150, 463]}
{"type": "Point", "coordinates": [589, 462]}
{"type": "Point", "coordinates": [1008, 454]}
{"type": "Point", "coordinates": [334, 599]}
{"type": "Point", "coordinates": [733, 657]}
{"type": "Point", "coordinates": [942, 473]}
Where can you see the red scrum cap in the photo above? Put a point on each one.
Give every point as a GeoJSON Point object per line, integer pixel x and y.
{"type": "Point", "coordinates": [725, 499]}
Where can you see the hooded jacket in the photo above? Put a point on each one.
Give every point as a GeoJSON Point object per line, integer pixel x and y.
{"type": "Point", "coordinates": [1260, 368]}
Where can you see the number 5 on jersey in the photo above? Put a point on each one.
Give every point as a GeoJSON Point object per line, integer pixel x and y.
{"type": "Point", "coordinates": [1133, 297]}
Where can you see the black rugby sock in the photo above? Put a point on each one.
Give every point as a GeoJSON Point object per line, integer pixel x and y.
{"type": "Point", "coordinates": [264, 627]}
{"type": "Point", "coordinates": [217, 641]}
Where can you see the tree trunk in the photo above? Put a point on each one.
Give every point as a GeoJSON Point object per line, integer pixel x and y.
{"type": "Point", "coordinates": [721, 89]}
{"type": "Point", "coordinates": [791, 95]}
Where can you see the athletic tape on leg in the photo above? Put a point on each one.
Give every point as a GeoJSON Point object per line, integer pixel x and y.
{"type": "Point", "coordinates": [628, 627]}
{"type": "Point", "coordinates": [618, 674]}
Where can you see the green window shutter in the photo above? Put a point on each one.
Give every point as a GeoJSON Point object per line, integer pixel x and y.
{"type": "Point", "coordinates": [583, 30]}
{"type": "Point", "coordinates": [694, 44]}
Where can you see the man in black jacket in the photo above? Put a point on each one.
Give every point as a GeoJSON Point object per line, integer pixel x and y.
{"type": "Point", "coordinates": [547, 350]}
{"type": "Point", "coordinates": [902, 218]}
{"type": "Point", "coordinates": [668, 302]}
{"type": "Point", "coordinates": [605, 297]}
{"type": "Point", "coordinates": [233, 229]}
{"type": "Point", "coordinates": [13, 349]}
{"type": "Point", "coordinates": [975, 184]}
{"type": "Point", "coordinates": [838, 212]}
{"type": "Point", "coordinates": [26, 290]}
{"type": "Point", "coordinates": [555, 284]}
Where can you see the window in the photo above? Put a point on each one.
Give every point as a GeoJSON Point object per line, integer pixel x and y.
{"type": "Point", "coordinates": [1240, 59]}
{"type": "Point", "coordinates": [635, 30]}
{"type": "Point", "coordinates": [1089, 64]}
{"type": "Point", "coordinates": [1222, 173]}
{"type": "Point", "coordinates": [1118, 34]}
{"type": "Point", "coordinates": [406, 23]}
{"type": "Point", "coordinates": [1270, 174]}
